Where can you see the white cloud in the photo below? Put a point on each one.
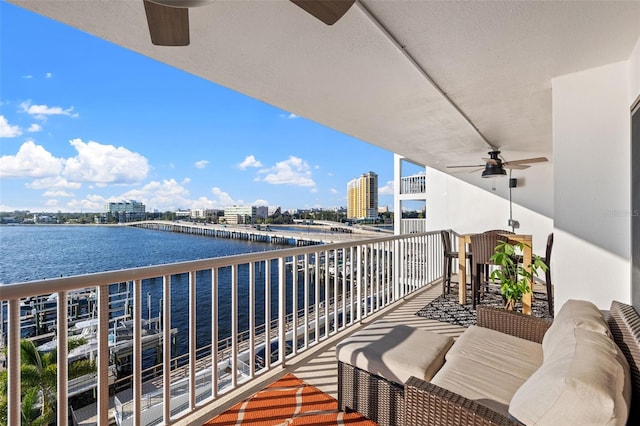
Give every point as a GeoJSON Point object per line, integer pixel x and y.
{"type": "Point", "coordinates": [31, 161]}
{"type": "Point", "coordinates": [333, 191]}
{"type": "Point", "coordinates": [201, 164]}
{"type": "Point", "coordinates": [53, 182]}
{"type": "Point", "coordinates": [249, 161]}
{"type": "Point", "coordinates": [7, 130]}
{"type": "Point", "coordinates": [42, 111]}
{"type": "Point", "coordinates": [314, 190]}
{"type": "Point", "coordinates": [292, 116]}
{"type": "Point", "coordinates": [57, 194]}
{"type": "Point", "coordinates": [48, 75]}
{"type": "Point", "coordinates": [387, 189]}
{"type": "Point", "coordinates": [35, 127]}
{"type": "Point", "coordinates": [165, 195]}
{"type": "Point", "coordinates": [294, 171]}
{"type": "Point", "coordinates": [103, 164]}
{"type": "Point", "coordinates": [94, 203]}
{"type": "Point", "coordinates": [27, 77]}
{"type": "Point", "coordinates": [95, 163]}
{"type": "Point", "coordinates": [223, 198]}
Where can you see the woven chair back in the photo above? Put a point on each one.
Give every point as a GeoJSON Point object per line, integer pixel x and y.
{"type": "Point", "coordinates": [547, 256]}
{"type": "Point", "coordinates": [498, 231]}
{"type": "Point", "coordinates": [446, 241]}
{"type": "Point", "coordinates": [484, 246]}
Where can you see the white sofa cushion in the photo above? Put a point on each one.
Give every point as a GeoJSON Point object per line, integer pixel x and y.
{"type": "Point", "coordinates": [574, 313]}
{"type": "Point", "coordinates": [585, 380]}
{"type": "Point", "coordinates": [395, 351]}
{"type": "Point", "coordinates": [484, 384]}
{"type": "Point", "coordinates": [513, 355]}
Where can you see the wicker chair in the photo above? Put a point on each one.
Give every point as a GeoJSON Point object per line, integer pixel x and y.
{"type": "Point", "coordinates": [449, 256]}
{"type": "Point", "coordinates": [483, 246]}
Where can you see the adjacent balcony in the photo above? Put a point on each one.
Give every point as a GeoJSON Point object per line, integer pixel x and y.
{"type": "Point", "coordinates": [416, 184]}
{"type": "Point", "coordinates": [151, 372]}
{"type": "Point", "coordinates": [412, 226]}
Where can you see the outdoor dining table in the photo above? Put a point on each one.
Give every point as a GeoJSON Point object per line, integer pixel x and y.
{"type": "Point", "coordinates": [464, 240]}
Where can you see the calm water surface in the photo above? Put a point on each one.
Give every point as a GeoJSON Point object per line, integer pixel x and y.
{"type": "Point", "coordinates": [30, 253]}
{"type": "Point", "coordinates": [38, 252]}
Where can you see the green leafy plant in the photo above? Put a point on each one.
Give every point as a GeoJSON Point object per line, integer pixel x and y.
{"type": "Point", "coordinates": [38, 382]}
{"type": "Point", "coordinates": [514, 278]}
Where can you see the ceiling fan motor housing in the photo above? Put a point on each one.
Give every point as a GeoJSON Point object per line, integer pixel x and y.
{"type": "Point", "coordinates": [494, 167]}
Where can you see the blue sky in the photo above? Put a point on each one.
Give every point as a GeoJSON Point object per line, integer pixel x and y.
{"type": "Point", "coordinates": [84, 122]}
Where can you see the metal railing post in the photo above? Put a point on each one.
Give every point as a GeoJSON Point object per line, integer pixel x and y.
{"type": "Point", "coordinates": [193, 323]}
{"type": "Point", "coordinates": [137, 351]}
{"type": "Point", "coordinates": [282, 313]}
{"type": "Point", "coordinates": [13, 363]}
{"type": "Point", "coordinates": [103, 348]}
{"type": "Point", "coordinates": [63, 366]}
{"type": "Point", "coordinates": [166, 348]}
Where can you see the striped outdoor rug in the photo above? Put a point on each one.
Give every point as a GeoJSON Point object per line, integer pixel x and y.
{"type": "Point", "coordinates": [289, 401]}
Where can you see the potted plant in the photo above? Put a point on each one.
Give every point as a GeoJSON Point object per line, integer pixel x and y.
{"type": "Point", "coordinates": [514, 278]}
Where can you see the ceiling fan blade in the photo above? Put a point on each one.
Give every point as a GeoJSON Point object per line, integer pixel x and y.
{"type": "Point", "coordinates": [456, 167]}
{"type": "Point", "coordinates": [328, 11]}
{"type": "Point", "coordinates": [528, 161]}
{"type": "Point", "coordinates": [490, 161]}
{"type": "Point", "coordinates": [516, 166]}
{"type": "Point", "coordinates": [168, 26]}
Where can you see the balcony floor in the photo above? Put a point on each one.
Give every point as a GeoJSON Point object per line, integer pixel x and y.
{"type": "Point", "coordinates": [318, 366]}
{"type": "Point", "coordinates": [321, 370]}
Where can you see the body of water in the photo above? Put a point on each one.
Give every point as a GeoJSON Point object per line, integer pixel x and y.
{"type": "Point", "coordinates": [33, 252]}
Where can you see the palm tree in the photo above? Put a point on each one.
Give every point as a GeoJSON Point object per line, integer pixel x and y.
{"type": "Point", "coordinates": [38, 376]}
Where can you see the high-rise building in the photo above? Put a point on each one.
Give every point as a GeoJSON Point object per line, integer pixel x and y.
{"type": "Point", "coordinates": [362, 197]}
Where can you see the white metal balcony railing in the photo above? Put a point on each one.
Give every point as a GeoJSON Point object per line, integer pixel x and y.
{"type": "Point", "coordinates": [413, 226]}
{"type": "Point", "coordinates": [416, 184]}
{"type": "Point", "coordinates": [329, 287]}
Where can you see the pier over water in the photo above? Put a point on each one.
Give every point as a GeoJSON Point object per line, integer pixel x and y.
{"type": "Point", "coordinates": [272, 234]}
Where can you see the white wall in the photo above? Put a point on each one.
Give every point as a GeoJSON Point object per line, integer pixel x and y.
{"type": "Point", "coordinates": [591, 133]}
{"type": "Point", "coordinates": [634, 73]}
{"type": "Point", "coordinates": [465, 208]}
{"type": "Point", "coordinates": [589, 185]}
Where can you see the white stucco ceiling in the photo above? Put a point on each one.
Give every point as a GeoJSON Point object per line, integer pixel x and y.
{"type": "Point", "coordinates": [494, 60]}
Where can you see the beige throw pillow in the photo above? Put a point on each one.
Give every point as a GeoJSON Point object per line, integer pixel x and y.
{"type": "Point", "coordinates": [585, 381]}
{"type": "Point", "coordinates": [574, 313]}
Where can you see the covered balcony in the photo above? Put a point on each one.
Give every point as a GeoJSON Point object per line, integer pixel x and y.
{"type": "Point", "coordinates": [439, 83]}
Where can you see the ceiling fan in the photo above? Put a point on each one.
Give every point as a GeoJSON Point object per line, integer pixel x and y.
{"type": "Point", "coordinates": [495, 166]}
{"type": "Point", "coordinates": [168, 20]}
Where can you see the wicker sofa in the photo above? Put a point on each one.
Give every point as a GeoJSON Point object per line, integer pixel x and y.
{"type": "Point", "coordinates": [577, 375]}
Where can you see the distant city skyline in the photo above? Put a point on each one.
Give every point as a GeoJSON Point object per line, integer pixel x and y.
{"type": "Point", "coordinates": [84, 122]}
